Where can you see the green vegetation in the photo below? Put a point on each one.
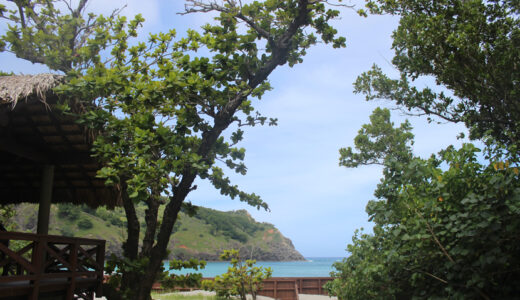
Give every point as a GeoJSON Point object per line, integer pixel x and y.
{"type": "Point", "coordinates": [237, 226]}
{"type": "Point", "coordinates": [161, 113]}
{"type": "Point", "coordinates": [169, 281]}
{"type": "Point", "coordinates": [241, 279]}
{"type": "Point", "coordinates": [193, 237]}
{"type": "Point", "coordinates": [6, 213]}
{"type": "Point", "coordinates": [446, 227]}
{"type": "Point", "coordinates": [85, 224]}
{"type": "Point", "coordinates": [69, 211]}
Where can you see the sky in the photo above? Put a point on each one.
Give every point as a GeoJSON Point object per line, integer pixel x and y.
{"type": "Point", "coordinates": [294, 166]}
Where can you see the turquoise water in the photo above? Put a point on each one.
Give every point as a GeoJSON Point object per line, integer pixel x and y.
{"type": "Point", "coordinates": [313, 267]}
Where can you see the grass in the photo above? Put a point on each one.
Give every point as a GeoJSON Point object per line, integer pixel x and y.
{"type": "Point", "coordinates": [177, 296]}
{"type": "Point", "coordinates": [193, 235]}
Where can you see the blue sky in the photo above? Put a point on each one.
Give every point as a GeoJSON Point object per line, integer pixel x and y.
{"type": "Point", "coordinates": [294, 166]}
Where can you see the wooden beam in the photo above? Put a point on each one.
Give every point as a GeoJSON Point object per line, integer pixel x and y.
{"type": "Point", "coordinates": [72, 158]}
{"type": "Point", "coordinates": [60, 158]}
{"type": "Point", "coordinates": [11, 146]}
{"type": "Point", "coordinates": [44, 209]}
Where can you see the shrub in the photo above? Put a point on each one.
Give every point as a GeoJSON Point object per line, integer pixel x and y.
{"type": "Point", "coordinates": [242, 278]}
{"type": "Point", "coordinates": [67, 231]}
{"type": "Point", "coordinates": [68, 211]}
{"type": "Point", "coordinates": [85, 223]}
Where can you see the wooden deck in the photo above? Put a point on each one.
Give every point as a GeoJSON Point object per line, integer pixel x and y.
{"type": "Point", "coordinates": [35, 266]}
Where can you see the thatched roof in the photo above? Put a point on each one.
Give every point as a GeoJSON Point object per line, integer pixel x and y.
{"type": "Point", "coordinates": [33, 132]}
{"type": "Point", "coordinates": [14, 88]}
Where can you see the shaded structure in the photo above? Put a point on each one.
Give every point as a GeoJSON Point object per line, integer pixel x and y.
{"type": "Point", "coordinates": [35, 136]}
{"type": "Point", "coordinates": [44, 159]}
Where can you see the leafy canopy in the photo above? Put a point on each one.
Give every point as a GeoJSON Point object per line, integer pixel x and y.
{"type": "Point", "coordinates": [161, 108]}
{"type": "Point", "coordinates": [377, 140]}
{"type": "Point", "coordinates": [470, 47]}
{"type": "Point", "coordinates": [444, 227]}
{"type": "Point", "coordinates": [38, 31]}
{"type": "Point", "coordinates": [160, 102]}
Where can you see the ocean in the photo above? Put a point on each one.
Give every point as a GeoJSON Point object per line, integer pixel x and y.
{"type": "Point", "coordinates": [312, 267]}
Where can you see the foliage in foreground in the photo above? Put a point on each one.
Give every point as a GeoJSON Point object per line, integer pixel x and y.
{"type": "Point", "coordinates": [445, 227]}
{"type": "Point", "coordinates": [241, 279]}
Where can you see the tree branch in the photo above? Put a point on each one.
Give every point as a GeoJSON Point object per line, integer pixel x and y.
{"type": "Point", "coordinates": [430, 229]}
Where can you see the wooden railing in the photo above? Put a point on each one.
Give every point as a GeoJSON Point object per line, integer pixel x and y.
{"type": "Point", "coordinates": [288, 288]}
{"type": "Point", "coordinates": [282, 288]}
{"type": "Point", "coordinates": [34, 265]}
{"type": "Point", "coordinates": [312, 285]}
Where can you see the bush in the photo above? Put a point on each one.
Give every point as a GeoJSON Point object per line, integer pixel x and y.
{"type": "Point", "coordinates": [242, 278]}
{"type": "Point", "coordinates": [441, 233]}
{"type": "Point", "coordinates": [85, 223]}
{"type": "Point", "coordinates": [115, 220]}
{"type": "Point", "coordinates": [68, 211]}
{"type": "Point", "coordinates": [67, 231]}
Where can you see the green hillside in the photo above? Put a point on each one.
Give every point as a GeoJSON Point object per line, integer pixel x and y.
{"type": "Point", "coordinates": [202, 236]}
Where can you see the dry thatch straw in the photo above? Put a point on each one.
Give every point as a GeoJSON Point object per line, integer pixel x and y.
{"type": "Point", "coordinates": [22, 87]}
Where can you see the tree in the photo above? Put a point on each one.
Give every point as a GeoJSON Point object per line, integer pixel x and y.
{"type": "Point", "coordinates": [6, 213]}
{"type": "Point", "coordinates": [377, 140]}
{"type": "Point", "coordinates": [241, 279]}
{"type": "Point", "coordinates": [40, 33]}
{"type": "Point", "coordinates": [444, 227]}
{"type": "Point", "coordinates": [471, 48]}
{"type": "Point", "coordinates": [161, 107]}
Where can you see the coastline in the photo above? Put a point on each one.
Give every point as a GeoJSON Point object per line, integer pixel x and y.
{"type": "Point", "coordinates": [310, 267]}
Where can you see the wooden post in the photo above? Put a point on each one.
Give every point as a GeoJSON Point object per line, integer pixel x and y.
{"type": "Point", "coordinates": [38, 262]}
{"type": "Point", "coordinates": [73, 261]}
{"type": "Point", "coordinates": [100, 259]}
{"type": "Point", "coordinates": [44, 209]}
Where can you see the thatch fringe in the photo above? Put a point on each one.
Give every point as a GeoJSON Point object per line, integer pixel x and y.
{"type": "Point", "coordinates": [21, 87]}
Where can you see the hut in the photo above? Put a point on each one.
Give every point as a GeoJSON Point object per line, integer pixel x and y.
{"type": "Point", "coordinates": [45, 158]}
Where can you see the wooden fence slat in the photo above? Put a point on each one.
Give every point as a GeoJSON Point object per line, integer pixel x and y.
{"type": "Point", "coordinates": [286, 288]}
{"type": "Point", "coordinates": [74, 271]}
{"type": "Point", "coordinates": [18, 258]}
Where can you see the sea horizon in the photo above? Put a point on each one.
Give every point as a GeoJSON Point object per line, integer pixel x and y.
{"type": "Point", "coordinates": [311, 267]}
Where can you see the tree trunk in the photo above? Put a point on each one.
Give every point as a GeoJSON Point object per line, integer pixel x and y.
{"type": "Point", "coordinates": [132, 240]}
{"type": "Point", "coordinates": [158, 253]}
{"type": "Point", "coordinates": [131, 246]}
{"type": "Point", "coordinates": [151, 224]}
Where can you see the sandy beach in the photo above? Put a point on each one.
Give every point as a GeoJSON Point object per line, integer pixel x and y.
{"type": "Point", "coordinates": [300, 296]}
